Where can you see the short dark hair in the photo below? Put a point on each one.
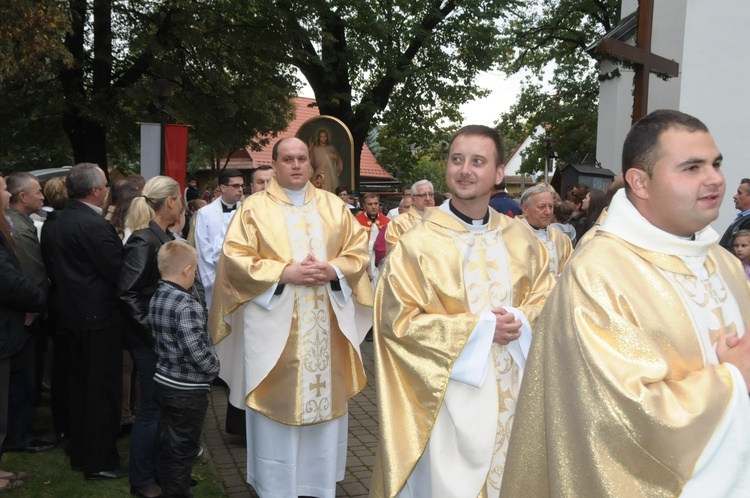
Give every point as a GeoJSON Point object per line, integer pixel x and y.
{"type": "Point", "coordinates": [341, 188]}
{"type": "Point", "coordinates": [262, 167]}
{"type": "Point", "coordinates": [370, 195]}
{"type": "Point", "coordinates": [484, 131]}
{"type": "Point", "coordinates": [275, 150]}
{"type": "Point", "coordinates": [82, 179]}
{"type": "Point", "coordinates": [641, 147]}
{"type": "Point", "coordinates": [227, 174]}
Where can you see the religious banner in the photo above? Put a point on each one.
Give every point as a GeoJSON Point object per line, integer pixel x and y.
{"type": "Point", "coordinates": [150, 149]}
{"type": "Point", "coordinates": [331, 152]}
{"type": "Point", "coordinates": [175, 152]}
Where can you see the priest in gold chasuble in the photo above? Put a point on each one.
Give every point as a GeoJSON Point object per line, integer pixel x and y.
{"type": "Point", "coordinates": [423, 197]}
{"type": "Point", "coordinates": [537, 205]}
{"type": "Point", "coordinates": [292, 304]}
{"type": "Point", "coordinates": [637, 379]}
{"type": "Point", "coordinates": [454, 310]}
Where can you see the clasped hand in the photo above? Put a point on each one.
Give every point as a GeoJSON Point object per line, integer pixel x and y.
{"type": "Point", "coordinates": [732, 349]}
{"type": "Point", "coordinates": [507, 328]}
{"type": "Point", "coordinates": [309, 273]}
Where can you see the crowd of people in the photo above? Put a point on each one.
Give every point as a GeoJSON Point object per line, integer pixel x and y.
{"type": "Point", "coordinates": [516, 345]}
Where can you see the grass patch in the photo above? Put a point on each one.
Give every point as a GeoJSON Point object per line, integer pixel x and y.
{"type": "Point", "coordinates": [50, 474]}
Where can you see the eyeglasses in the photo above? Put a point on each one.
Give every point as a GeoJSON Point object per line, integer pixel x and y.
{"type": "Point", "coordinates": [236, 185]}
{"type": "Point", "coordinates": [426, 194]}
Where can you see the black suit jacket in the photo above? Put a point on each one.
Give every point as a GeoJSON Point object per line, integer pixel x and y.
{"type": "Point", "coordinates": [88, 259]}
{"type": "Point", "coordinates": [737, 225]}
{"type": "Point", "coordinates": [18, 295]}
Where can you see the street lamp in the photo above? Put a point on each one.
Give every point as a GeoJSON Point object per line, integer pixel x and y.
{"type": "Point", "coordinates": [164, 89]}
{"type": "Point", "coordinates": [548, 141]}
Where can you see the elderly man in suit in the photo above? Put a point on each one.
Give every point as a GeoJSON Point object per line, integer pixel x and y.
{"type": "Point", "coordinates": [90, 257]}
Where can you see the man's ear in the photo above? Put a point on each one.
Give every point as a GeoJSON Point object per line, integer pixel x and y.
{"type": "Point", "coordinates": [500, 174]}
{"type": "Point", "coordinates": [639, 181]}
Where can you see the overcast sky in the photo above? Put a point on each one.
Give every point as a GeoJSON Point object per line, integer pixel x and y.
{"type": "Point", "coordinates": [486, 111]}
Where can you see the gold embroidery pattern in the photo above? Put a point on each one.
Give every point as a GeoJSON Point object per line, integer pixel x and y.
{"type": "Point", "coordinates": [314, 327]}
{"type": "Point", "coordinates": [711, 307]}
{"type": "Point", "coordinates": [487, 274]}
{"type": "Point", "coordinates": [554, 261]}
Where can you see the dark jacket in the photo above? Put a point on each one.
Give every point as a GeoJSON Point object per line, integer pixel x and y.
{"type": "Point", "coordinates": [28, 248]}
{"type": "Point", "coordinates": [88, 258]}
{"type": "Point", "coordinates": [48, 243]}
{"type": "Point", "coordinates": [18, 295]}
{"type": "Point", "coordinates": [138, 281]}
{"type": "Point", "coordinates": [503, 203]}
{"type": "Point", "coordinates": [737, 225]}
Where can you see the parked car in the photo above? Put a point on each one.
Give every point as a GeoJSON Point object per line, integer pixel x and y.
{"type": "Point", "coordinates": [46, 173]}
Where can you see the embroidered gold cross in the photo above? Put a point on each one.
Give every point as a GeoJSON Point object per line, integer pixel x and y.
{"type": "Point", "coordinates": [318, 385]}
{"type": "Point", "coordinates": [303, 226]}
{"type": "Point", "coordinates": [316, 297]}
{"type": "Point", "coordinates": [481, 264]}
{"type": "Point", "coordinates": [714, 334]}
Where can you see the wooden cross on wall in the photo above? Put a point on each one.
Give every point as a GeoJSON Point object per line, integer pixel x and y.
{"type": "Point", "coordinates": [641, 57]}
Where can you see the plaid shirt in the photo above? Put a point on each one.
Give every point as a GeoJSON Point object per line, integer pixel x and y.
{"type": "Point", "coordinates": [185, 355]}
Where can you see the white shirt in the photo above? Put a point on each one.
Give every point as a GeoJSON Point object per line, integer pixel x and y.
{"type": "Point", "coordinates": [210, 227]}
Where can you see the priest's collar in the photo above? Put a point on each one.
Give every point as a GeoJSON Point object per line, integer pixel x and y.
{"type": "Point", "coordinates": [467, 219]}
{"type": "Point", "coordinates": [539, 232]}
{"type": "Point", "coordinates": [296, 196]}
{"type": "Point", "coordinates": [624, 221]}
{"type": "Point", "coordinates": [373, 217]}
{"type": "Point", "coordinates": [226, 208]}
{"type": "Point", "coordinates": [535, 228]}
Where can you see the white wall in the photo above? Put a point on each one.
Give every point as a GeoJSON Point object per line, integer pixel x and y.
{"type": "Point", "coordinates": [715, 80]}
{"type": "Point", "coordinates": [706, 39]}
{"type": "Point", "coordinates": [513, 163]}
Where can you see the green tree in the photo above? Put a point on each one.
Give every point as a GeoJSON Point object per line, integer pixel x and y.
{"type": "Point", "coordinates": [30, 34]}
{"type": "Point", "coordinates": [228, 83]}
{"type": "Point", "coordinates": [407, 63]}
{"type": "Point", "coordinates": [549, 36]}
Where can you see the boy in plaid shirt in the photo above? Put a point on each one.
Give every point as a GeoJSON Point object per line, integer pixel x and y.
{"type": "Point", "coordinates": [186, 365]}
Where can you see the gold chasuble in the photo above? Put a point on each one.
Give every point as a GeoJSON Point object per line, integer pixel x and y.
{"type": "Point", "coordinates": [559, 248]}
{"type": "Point", "coordinates": [399, 225]}
{"type": "Point", "coordinates": [591, 232]}
{"type": "Point", "coordinates": [297, 361]}
{"type": "Point", "coordinates": [436, 283]}
{"type": "Point", "coordinates": [623, 394]}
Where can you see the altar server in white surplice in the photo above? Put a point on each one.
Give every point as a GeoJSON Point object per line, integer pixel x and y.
{"type": "Point", "coordinates": [637, 379]}
{"type": "Point", "coordinates": [211, 223]}
{"type": "Point", "coordinates": [292, 303]}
